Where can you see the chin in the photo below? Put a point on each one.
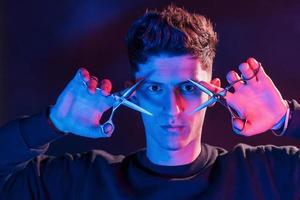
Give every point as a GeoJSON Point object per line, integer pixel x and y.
{"type": "Point", "coordinates": [174, 146]}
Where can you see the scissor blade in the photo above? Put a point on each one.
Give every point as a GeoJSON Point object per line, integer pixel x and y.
{"type": "Point", "coordinates": [130, 90]}
{"type": "Point", "coordinates": [205, 104]}
{"type": "Point", "coordinates": [135, 107]}
{"type": "Point", "coordinates": [136, 85]}
{"type": "Point", "coordinates": [201, 87]}
{"type": "Point", "coordinates": [223, 92]}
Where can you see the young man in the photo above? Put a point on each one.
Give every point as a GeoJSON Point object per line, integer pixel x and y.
{"type": "Point", "coordinates": [166, 49]}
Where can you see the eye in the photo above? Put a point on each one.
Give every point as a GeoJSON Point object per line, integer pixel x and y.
{"type": "Point", "coordinates": [188, 88]}
{"type": "Point", "coordinates": [154, 88]}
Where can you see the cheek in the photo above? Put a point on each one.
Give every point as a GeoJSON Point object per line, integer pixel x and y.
{"type": "Point", "coordinates": [196, 120]}
{"type": "Point", "coordinates": [189, 103]}
{"type": "Point", "coordinates": [194, 124]}
{"type": "Point", "coordinates": [153, 103]}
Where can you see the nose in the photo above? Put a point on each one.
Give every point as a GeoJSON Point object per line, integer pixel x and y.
{"type": "Point", "coordinates": [173, 104]}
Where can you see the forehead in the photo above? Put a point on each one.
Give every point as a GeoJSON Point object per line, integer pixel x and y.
{"type": "Point", "coordinates": [172, 69]}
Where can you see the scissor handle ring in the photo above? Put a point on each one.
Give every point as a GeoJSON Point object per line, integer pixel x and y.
{"type": "Point", "coordinates": [108, 128]}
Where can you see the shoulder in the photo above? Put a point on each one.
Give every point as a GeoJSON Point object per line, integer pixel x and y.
{"type": "Point", "coordinates": [213, 151]}
{"type": "Point", "coordinates": [80, 159]}
{"type": "Point", "coordinates": [263, 157]}
{"type": "Point", "coordinates": [104, 155]}
{"type": "Point", "coordinates": [246, 149]}
{"type": "Point", "coordinates": [268, 153]}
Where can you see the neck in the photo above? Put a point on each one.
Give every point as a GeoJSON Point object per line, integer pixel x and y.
{"type": "Point", "coordinates": [170, 157]}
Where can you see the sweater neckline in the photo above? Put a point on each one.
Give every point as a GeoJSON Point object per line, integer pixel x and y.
{"type": "Point", "coordinates": [174, 171]}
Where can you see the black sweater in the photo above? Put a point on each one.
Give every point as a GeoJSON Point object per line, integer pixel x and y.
{"type": "Point", "coordinates": [246, 172]}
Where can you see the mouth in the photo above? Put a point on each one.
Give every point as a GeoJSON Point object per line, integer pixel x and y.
{"type": "Point", "coordinates": [173, 128]}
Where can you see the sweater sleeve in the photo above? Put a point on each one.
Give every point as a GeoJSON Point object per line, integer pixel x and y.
{"type": "Point", "coordinates": [271, 170]}
{"type": "Point", "coordinates": [23, 139]}
{"type": "Point", "coordinates": [22, 143]}
{"type": "Point", "coordinates": [293, 129]}
{"type": "Point", "coordinates": [26, 173]}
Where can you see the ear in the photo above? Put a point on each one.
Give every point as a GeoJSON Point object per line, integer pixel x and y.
{"type": "Point", "coordinates": [216, 82]}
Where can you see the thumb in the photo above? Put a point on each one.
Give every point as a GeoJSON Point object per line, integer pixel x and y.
{"type": "Point", "coordinates": [243, 127]}
{"type": "Point", "coordinates": [238, 125]}
{"type": "Point", "coordinates": [214, 85]}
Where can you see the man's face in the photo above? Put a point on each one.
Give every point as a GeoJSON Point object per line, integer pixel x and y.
{"type": "Point", "coordinates": [171, 98]}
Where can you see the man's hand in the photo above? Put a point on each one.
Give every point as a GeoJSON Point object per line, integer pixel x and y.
{"type": "Point", "coordinates": [80, 106]}
{"type": "Point", "coordinates": [258, 102]}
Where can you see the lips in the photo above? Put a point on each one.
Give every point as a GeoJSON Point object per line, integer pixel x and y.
{"type": "Point", "coordinates": [172, 128]}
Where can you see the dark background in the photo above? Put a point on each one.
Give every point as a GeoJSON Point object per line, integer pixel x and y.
{"type": "Point", "coordinates": [43, 43]}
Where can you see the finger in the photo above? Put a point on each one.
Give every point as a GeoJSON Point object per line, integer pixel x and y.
{"type": "Point", "coordinates": [253, 64]}
{"type": "Point", "coordinates": [247, 73]}
{"type": "Point", "coordinates": [238, 125]}
{"type": "Point", "coordinates": [92, 84]}
{"type": "Point", "coordinates": [78, 81]}
{"type": "Point", "coordinates": [103, 101]}
{"type": "Point", "coordinates": [243, 127]}
{"type": "Point", "coordinates": [105, 87]}
{"type": "Point", "coordinates": [232, 78]}
{"type": "Point", "coordinates": [85, 75]}
{"type": "Point", "coordinates": [212, 87]}
{"type": "Point", "coordinates": [216, 89]}
{"type": "Point", "coordinates": [216, 82]}
{"type": "Point", "coordinates": [82, 75]}
{"type": "Point", "coordinates": [261, 74]}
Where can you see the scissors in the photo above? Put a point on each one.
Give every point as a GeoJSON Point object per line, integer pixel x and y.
{"type": "Point", "coordinates": [108, 126]}
{"type": "Point", "coordinates": [214, 97]}
{"type": "Point", "coordinates": [220, 97]}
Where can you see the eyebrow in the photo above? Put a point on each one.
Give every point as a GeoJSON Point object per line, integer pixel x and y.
{"type": "Point", "coordinates": [156, 82]}
{"type": "Point", "coordinates": [150, 81]}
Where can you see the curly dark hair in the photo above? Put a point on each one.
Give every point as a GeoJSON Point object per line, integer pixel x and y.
{"type": "Point", "coordinates": [172, 31]}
